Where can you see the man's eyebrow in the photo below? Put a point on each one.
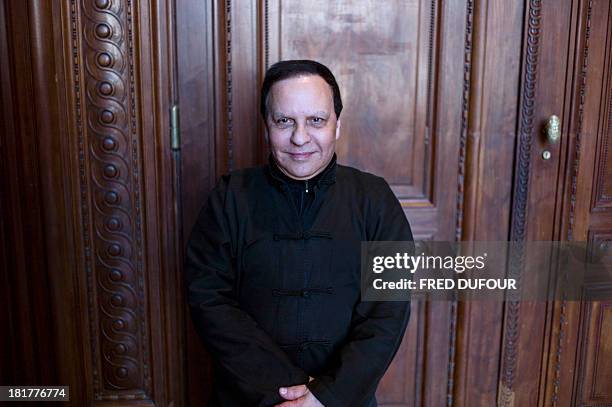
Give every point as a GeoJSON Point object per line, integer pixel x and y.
{"type": "Point", "coordinates": [321, 113]}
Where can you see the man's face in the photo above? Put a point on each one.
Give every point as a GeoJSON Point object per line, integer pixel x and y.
{"type": "Point", "coordinates": [301, 124]}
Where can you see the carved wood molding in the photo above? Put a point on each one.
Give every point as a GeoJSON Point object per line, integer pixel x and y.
{"type": "Point", "coordinates": [591, 369]}
{"type": "Point", "coordinates": [575, 170]}
{"type": "Point", "coordinates": [431, 113]}
{"type": "Point", "coordinates": [603, 196]}
{"type": "Point", "coordinates": [266, 35]}
{"type": "Point", "coordinates": [512, 317]}
{"type": "Point", "coordinates": [106, 112]}
{"type": "Point", "coordinates": [228, 84]}
{"type": "Point", "coordinates": [603, 199]}
{"type": "Point", "coordinates": [579, 130]}
{"type": "Point", "coordinates": [465, 106]}
{"type": "Point", "coordinates": [526, 121]}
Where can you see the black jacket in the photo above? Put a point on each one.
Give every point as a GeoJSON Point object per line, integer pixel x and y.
{"type": "Point", "coordinates": [275, 295]}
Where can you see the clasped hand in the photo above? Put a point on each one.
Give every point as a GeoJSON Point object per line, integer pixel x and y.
{"type": "Point", "coordinates": [298, 396]}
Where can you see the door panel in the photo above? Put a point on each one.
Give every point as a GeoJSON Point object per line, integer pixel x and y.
{"type": "Point", "coordinates": [567, 69]}
{"type": "Point", "coordinates": [381, 57]}
{"type": "Point", "coordinates": [543, 90]}
{"type": "Point", "coordinates": [580, 335]}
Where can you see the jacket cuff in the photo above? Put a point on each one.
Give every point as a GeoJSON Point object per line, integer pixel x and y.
{"type": "Point", "coordinates": [324, 394]}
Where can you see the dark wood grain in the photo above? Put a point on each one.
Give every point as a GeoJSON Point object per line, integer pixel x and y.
{"type": "Point", "coordinates": [446, 100]}
{"type": "Point", "coordinates": [584, 215]}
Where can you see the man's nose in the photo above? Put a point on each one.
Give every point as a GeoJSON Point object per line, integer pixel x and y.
{"type": "Point", "coordinates": [300, 136]}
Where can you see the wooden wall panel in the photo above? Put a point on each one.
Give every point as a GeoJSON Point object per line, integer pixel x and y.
{"type": "Point", "coordinates": [591, 112]}
{"type": "Point", "coordinates": [603, 169]}
{"type": "Point", "coordinates": [590, 213]}
{"type": "Point", "coordinates": [30, 342]}
{"type": "Point", "coordinates": [575, 345]}
{"type": "Point", "coordinates": [90, 92]}
{"type": "Point", "coordinates": [204, 148]}
{"type": "Point", "coordinates": [489, 138]}
{"type": "Point", "coordinates": [546, 80]}
{"type": "Point", "coordinates": [431, 91]}
{"type": "Point", "coordinates": [382, 59]}
{"type": "Point", "coordinates": [113, 97]}
{"type": "Point", "coordinates": [595, 374]}
{"type": "Point", "coordinates": [110, 188]}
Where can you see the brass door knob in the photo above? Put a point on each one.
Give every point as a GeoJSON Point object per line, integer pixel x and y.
{"type": "Point", "coordinates": [553, 129]}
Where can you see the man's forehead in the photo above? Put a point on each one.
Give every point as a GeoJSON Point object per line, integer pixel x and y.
{"type": "Point", "coordinates": [301, 96]}
{"type": "Point", "coordinates": [311, 84]}
{"type": "Point", "coordinates": [306, 112]}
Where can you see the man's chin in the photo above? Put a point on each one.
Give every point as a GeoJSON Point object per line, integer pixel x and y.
{"type": "Point", "coordinates": [300, 173]}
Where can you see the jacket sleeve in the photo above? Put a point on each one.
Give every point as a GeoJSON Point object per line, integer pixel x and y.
{"type": "Point", "coordinates": [247, 355]}
{"type": "Point", "coordinates": [377, 327]}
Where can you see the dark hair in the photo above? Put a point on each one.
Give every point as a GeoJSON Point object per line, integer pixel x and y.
{"type": "Point", "coordinates": [290, 69]}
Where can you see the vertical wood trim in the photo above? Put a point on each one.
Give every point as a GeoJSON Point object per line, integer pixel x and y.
{"type": "Point", "coordinates": [528, 94]}
{"type": "Point", "coordinates": [272, 30]}
{"type": "Point", "coordinates": [520, 196]}
{"type": "Point", "coordinates": [229, 86]}
{"type": "Point", "coordinates": [29, 355]}
{"type": "Point", "coordinates": [465, 113]}
{"type": "Point", "coordinates": [86, 118]}
{"type": "Point", "coordinates": [566, 325]}
{"type": "Point", "coordinates": [563, 307]}
{"type": "Point", "coordinates": [468, 57]}
{"type": "Point", "coordinates": [107, 116]}
{"type": "Point", "coordinates": [219, 33]}
{"type": "Point", "coordinates": [600, 201]}
{"type": "Point", "coordinates": [582, 97]}
{"type": "Point", "coordinates": [431, 113]}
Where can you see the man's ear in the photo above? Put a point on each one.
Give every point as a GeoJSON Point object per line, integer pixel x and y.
{"type": "Point", "coordinates": [337, 129]}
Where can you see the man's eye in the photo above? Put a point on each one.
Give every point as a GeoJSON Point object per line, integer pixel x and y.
{"type": "Point", "coordinates": [283, 120]}
{"type": "Point", "coordinates": [317, 120]}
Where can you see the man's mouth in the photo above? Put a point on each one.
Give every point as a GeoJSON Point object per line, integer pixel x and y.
{"type": "Point", "coordinates": [301, 156]}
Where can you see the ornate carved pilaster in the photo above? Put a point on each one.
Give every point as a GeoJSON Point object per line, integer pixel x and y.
{"type": "Point", "coordinates": [106, 109]}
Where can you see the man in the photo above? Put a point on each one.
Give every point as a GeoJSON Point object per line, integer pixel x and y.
{"type": "Point", "coordinates": [273, 268]}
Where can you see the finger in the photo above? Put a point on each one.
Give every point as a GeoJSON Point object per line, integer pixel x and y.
{"type": "Point", "coordinates": [293, 392]}
{"type": "Point", "coordinates": [291, 403]}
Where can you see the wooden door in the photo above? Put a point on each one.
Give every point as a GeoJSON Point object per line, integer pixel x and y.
{"type": "Point", "coordinates": [566, 72]}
